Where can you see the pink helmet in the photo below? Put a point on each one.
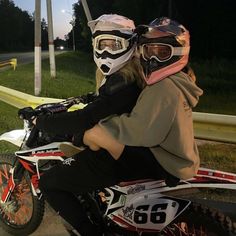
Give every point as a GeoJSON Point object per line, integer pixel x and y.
{"type": "Point", "coordinates": [164, 48]}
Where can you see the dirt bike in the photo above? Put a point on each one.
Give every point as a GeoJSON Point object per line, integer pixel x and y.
{"type": "Point", "coordinates": [143, 207]}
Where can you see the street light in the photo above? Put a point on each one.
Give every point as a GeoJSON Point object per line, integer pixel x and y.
{"type": "Point", "coordinates": [72, 22]}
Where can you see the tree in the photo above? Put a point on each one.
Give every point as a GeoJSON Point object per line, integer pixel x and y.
{"type": "Point", "coordinates": [211, 23]}
{"type": "Point", "coordinates": [16, 28]}
{"type": "Point", "coordinates": [44, 34]}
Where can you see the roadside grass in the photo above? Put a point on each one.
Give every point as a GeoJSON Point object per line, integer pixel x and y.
{"type": "Point", "coordinates": [8, 121]}
{"type": "Point", "coordinates": [217, 79]}
{"type": "Point", "coordinates": [219, 156]}
{"type": "Point", "coordinates": [75, 76]}
{"type": "Point", "coordinates": [76, 72]}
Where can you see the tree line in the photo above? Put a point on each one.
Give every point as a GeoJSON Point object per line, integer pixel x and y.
{"type": "Point", "coordinates": [17, 28]}
{"type": "Point", "coordinates": [211, 23]}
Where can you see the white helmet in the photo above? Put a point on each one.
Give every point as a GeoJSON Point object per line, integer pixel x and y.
{"type": "Point", "coordinates": [113, 42]}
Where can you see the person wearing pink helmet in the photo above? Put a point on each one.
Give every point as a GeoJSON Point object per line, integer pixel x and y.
{"type": "Point", "coordinates": [161, 122]}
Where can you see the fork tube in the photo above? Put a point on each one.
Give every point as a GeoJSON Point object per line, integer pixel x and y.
{"type": "Point", "coordinates": [8, 189]}
{"type": "Point", "coordinates": [16, 175]}
{"type": "Point", "coordinates": [18, 171]}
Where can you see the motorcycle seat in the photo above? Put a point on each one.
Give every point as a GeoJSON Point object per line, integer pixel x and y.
{"type": "Point", "coordinates": [170, 180]}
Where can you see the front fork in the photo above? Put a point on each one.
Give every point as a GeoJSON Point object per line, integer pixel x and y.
{"type": "Point", "coordinates": [16, 175]}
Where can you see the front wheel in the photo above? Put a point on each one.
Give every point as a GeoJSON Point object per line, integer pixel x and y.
{"type": "Point", "coordinates": [23, 212]}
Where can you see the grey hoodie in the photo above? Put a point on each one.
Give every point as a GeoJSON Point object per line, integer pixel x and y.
{"type": "Point", "coordinates": [162, 121]}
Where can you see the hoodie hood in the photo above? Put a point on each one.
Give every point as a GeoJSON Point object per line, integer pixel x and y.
{"type": "Point", "coordinates": [190, 90]}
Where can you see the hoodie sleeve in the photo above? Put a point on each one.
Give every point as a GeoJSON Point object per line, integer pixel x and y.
{"type": "Point", "coordinates": [151, 119]}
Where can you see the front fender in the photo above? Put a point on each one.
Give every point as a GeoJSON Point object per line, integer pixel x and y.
{"type": "Point", "coordinates": [15, 137]}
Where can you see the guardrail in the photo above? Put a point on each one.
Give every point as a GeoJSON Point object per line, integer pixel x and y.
{"type": "Point", "coordinates": [19, 99]}
{"type": "Point", "coordinates": [11, 62]}
{"type": "Point", "coordinates": [207, 126]}
{"type": "Point", "coordinates": [214, 127]}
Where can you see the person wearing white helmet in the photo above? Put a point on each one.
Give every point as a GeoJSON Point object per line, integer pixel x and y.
{"type": "Point", "coordinates": [119, 79]}
{"type": "Point", "coordinates": [119, 83]}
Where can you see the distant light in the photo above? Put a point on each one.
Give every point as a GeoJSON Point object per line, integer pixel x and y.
{"type": "Point", "coordinates": [61, 47]}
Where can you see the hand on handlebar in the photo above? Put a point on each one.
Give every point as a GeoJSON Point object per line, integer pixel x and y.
{"type": "Point", "coordinates": [27, 113]}
{"type": "Point", "coordinates": [89, 97]}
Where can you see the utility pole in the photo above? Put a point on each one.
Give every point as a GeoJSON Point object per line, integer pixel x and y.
{"type": "Point", "coordinates": [51, 40]}
{"type": "Point", "coordinates": [37, 48]}
{"type": "Point", "coordinates": [86, 10]}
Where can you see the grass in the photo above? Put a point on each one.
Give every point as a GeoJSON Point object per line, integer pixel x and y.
{"type": "Point", "coordinates": [217, 79]}
{"type": "Point", "coordinates": [8, 121]}
{"type": "Point", "coordinates": [218, 156]}
{"type": "Point", "coordinates": [75, 76]}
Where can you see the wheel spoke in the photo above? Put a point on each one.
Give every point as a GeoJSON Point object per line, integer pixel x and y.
{"type": "Point", "coordinates": [18, 211]}
{"type": "Point", "coordinates": [4, 173]}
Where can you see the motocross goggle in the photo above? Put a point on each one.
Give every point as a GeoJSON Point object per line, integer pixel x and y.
{"type": "Point", "coordinates": [110, 43]}
{"type": "Point", "coordinates": [161, 52]}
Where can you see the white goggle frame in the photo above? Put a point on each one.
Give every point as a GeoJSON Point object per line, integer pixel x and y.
{"type": "Point", "coordinates": [124, 44]}
{"type": "Point", "coordinates": [175, 51]}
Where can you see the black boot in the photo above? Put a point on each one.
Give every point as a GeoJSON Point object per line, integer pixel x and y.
{"type": "Point", "coordinates": [90, 231]}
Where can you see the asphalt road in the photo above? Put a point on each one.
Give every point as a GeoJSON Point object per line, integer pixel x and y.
{"type": "Point", "coordinates": [25, 57]}
{"type": "Point", "coordinates": [52, 223]}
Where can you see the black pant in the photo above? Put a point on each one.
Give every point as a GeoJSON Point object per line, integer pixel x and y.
{"type": "Point", "coordinates": [89, 171]}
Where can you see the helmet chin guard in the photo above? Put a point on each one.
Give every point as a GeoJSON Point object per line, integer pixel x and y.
{"type": "Point", "coordinates": [109, 65]}
{"type": "Point", "coordinates": [164, 49]}
{"type": "Point", "coordinates": [157, 75]}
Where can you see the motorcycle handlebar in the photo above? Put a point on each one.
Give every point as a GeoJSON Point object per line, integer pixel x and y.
{"type": "Point", "coordinates": [28, 113]}
{"type": "Point", "coordinates": [67, 103]}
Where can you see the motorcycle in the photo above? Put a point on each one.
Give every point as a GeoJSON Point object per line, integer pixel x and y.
{"type": "Point", "coordinates": [143, 207]}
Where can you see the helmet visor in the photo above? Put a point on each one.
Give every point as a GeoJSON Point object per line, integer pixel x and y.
{"type": "Point", "coordinates": [110, 43]}
{"type": "Point", "coordinates": [161, 52]}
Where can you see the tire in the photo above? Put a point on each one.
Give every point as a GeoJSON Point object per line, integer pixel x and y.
{"type": "Point", "coordinates": [25, 213]}
{"type": "Point", "coordinates": [200, 220]}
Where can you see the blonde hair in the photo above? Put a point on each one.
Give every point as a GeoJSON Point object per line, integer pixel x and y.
{"type": "Point", "coordinates": [189, 71]}
{"type": "Point", "coordinates": [131, 71]}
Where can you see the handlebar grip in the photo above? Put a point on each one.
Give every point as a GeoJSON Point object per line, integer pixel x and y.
{"type": "Point", "coordinates": [26, 113]}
